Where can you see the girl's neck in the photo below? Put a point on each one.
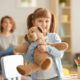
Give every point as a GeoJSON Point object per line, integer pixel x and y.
{"type": "Point", "coordinates": [6, 33]}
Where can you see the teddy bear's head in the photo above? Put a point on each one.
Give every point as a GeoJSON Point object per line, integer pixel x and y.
{"type": "Point", "coordinates": [34, 33]}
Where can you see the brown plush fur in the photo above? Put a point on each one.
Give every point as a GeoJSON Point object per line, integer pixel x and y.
{"type": "Point", "coordinates": [41, 59]}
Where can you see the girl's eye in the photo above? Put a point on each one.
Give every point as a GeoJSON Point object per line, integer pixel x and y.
{"type": "Point", "coordinates": [32, 31]}
{"type": "Point", "coordinates": [47, 21]}
{"type": "Point", "coordinates": [11, 22]}
{"type": "Point", "coordinates": [40, 21]}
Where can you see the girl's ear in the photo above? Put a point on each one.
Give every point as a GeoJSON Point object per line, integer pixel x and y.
{"type": "Point", "coordinates": [26, 38]}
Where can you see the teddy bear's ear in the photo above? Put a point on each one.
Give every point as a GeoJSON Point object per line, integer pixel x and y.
{"type": "Point", "coordinates": [40, 29]}
{"type": "Point", "coordinates": [25, 37]}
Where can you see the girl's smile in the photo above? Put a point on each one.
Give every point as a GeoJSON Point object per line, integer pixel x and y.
{"type": "Point", "coordinates": [43, 22]}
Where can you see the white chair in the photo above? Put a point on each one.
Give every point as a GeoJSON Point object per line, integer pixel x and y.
{"type": "Point", "coordinates": [9, 64]}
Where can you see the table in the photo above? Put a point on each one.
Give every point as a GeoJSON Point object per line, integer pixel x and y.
{"type": "Point", "coordinates": [71, 77]}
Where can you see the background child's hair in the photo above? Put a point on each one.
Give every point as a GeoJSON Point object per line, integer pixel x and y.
{"type": "Point", "coordinates": [11, 19]}
{"type": "Point", "coordinates": [75, 57]}
{"type": "Point", "coordinates": [38, 13]}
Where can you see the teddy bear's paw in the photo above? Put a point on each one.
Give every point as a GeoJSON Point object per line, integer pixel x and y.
{"type": "Point", "coordinates": [21, 69]}
{"type": "Point", "coordinates": [27, 69]}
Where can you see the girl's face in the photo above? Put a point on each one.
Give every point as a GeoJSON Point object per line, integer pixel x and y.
{"type": "Point", "coordinates": [43, 22]}
{"type": "Point", "coordinates": [7, 25]}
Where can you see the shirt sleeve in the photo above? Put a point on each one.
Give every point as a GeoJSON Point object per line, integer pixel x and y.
{"type": "Point", "coordinates": [14, 41]}
{"type": "Point", "coordinates": [29, 55]}
{"type": "Point", "coordinates": [56, 38]}
{"type": "Point", "coordinates": [32, 46]}
{"type": "Point", "coordinates": [52, 50]}
{"type": "Point", "coordinates": [31, 49]}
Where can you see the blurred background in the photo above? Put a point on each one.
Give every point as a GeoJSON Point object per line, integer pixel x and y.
{"type": "Point", "coordinates": [67, 16]}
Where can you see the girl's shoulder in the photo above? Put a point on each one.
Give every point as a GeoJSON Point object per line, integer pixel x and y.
{"type": "Point", "coordinates": [52, 34]}
{"type": "Point", "coordinates": [2, 35]}
{"type": "Point", "coordinates": [7, 36]}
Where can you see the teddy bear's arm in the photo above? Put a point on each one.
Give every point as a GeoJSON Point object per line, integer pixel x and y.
{"type": "Point", "coordinates": [59, 45]}
{"type": "Point", "coordinates": [20, 48]}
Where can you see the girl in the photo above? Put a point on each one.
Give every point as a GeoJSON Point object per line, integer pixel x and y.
{"type": "Point", "coordinates": [43, 18]}
{"type": "Point", "coordinates": [7, 40]}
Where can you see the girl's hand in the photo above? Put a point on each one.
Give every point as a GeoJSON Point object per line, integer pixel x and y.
{"type": "Point", "coordinates": [15, 53]}
{"type": "Point", "coordinates": [41, 48]}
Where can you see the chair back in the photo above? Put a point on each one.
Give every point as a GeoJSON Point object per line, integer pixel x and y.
{"type": "Point", "coordinates": [9, 64]}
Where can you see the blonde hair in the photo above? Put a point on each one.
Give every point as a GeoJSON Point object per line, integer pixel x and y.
{"type": "Point", "coordinates": [39, 13]}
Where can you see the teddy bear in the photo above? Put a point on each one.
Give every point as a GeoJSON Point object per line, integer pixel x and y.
{"type": "Point", "coordinates": [41, 59]}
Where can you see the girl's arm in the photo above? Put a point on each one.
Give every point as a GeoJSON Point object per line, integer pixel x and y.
{"type": "Point", "coordinates": [52, 50]}
{"type": "Point", "coordinates": [32, 47]}
{"type": "Point", "coordinates": [20, 48]}
{"type": "Point", "coordinates": [25, 48]}
{"type": "Point", "coordinates": [62, 46]}
{"type": "Point", "coordinates": [8, 51]}
{"type": "Point", "coordinates": [30, 51]}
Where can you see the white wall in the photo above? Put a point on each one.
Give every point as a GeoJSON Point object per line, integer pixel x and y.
{"type": "Point", "coordinates": [10, 7]}
{"type": "Point", "coordinates": [75, 12]}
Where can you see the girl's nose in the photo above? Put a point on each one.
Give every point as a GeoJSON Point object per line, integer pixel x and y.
{"type": "Point", "coordinates": [44, 24]}
{"type": "Point", "coordinates": [7, 24]}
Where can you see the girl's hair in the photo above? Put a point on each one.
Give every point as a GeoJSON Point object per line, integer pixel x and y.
{"type": "Point", "coordinates": [11, 19]}
{"type": "Point", "coordinates": [39, 13]}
